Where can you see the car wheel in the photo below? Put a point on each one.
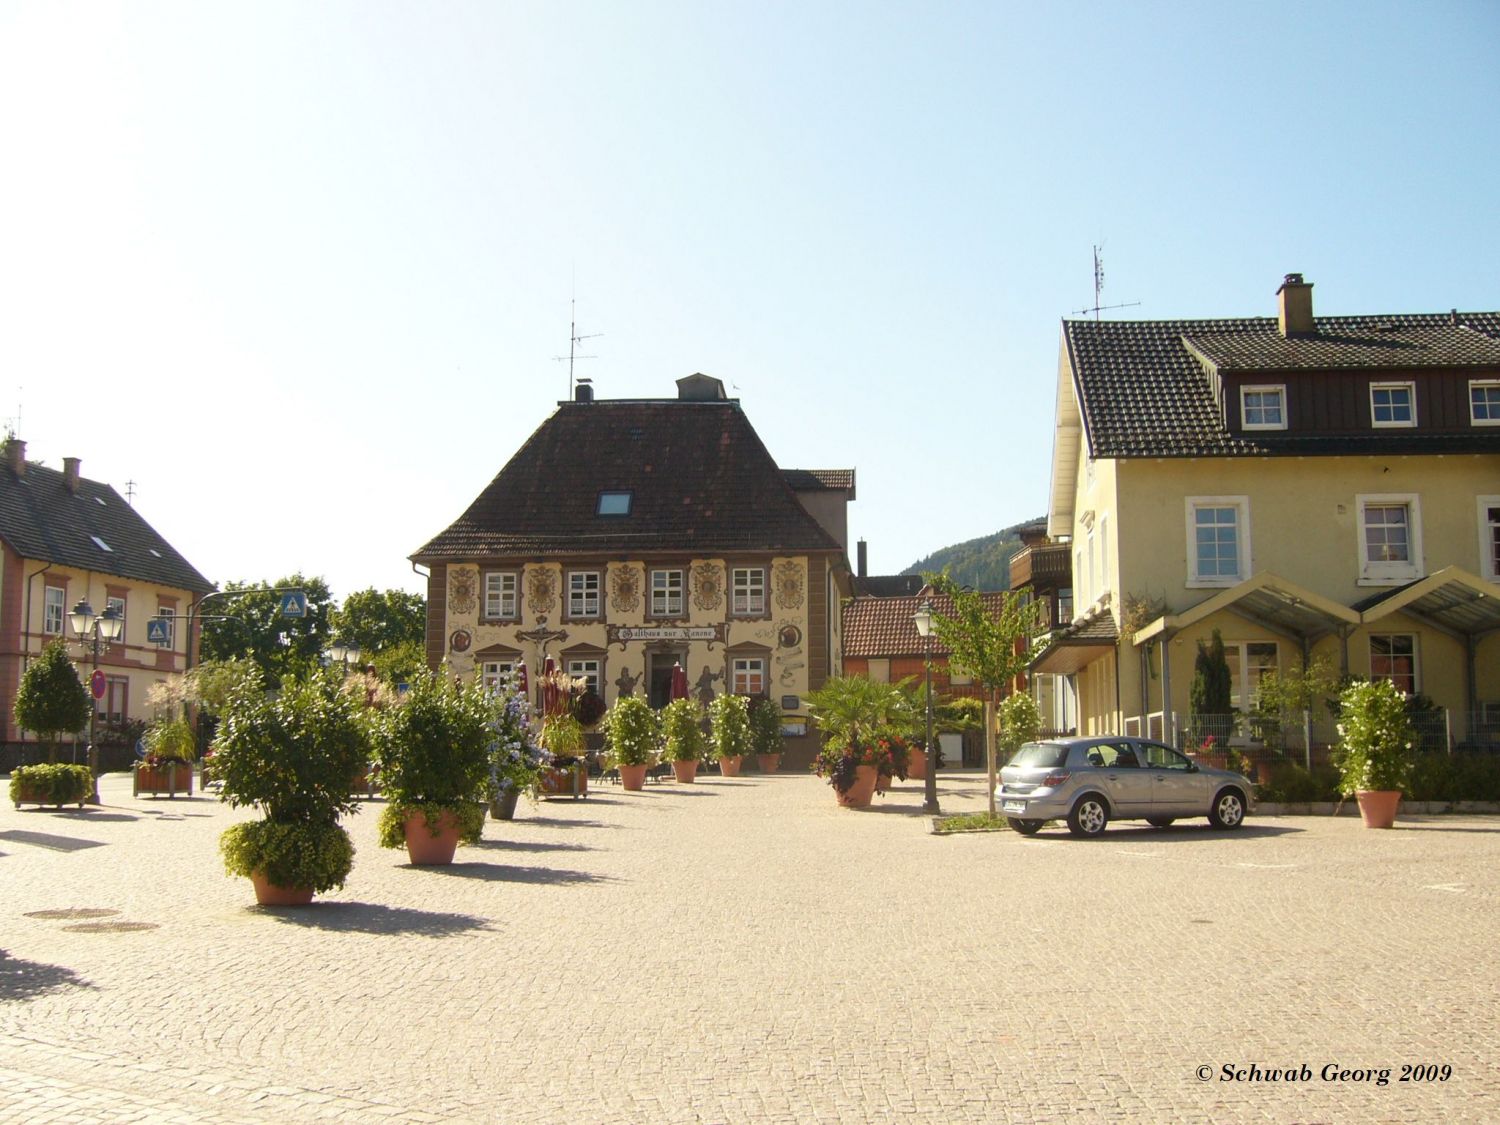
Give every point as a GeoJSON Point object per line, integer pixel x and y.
{"type": "Point", "coordinates": [1160, 821]}
{"type": "Point", "coordinates": [1026, 827]}
{"type": "Point", "coordinates": [1228, 809]}
{"type": "Point", "coordinates": [1089, 816]}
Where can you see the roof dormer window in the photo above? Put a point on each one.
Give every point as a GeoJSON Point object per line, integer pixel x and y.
{"type": "Point", "coordinates": [1263, 408]}
{"type": "Point", "coordinates": [1393, 404]}
{"type": "Point", "coordinates": [614, 504]}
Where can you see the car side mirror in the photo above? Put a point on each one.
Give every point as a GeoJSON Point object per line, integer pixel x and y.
{"type": "Point", "coordinates": [1192, 767]}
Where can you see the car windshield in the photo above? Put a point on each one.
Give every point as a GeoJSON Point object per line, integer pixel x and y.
{"type": "Point", "coordinates": [1047, 755]}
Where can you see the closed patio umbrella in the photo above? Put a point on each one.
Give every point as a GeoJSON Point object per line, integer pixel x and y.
{"type": "Point", "coordinates": [679, 681]}
{"type": "Point", "coordinates": [549, 686]}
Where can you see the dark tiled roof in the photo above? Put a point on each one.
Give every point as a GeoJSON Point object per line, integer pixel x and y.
{"type": "Point", "coordinates": [700, 480]}
{"type": "Point", "coordinates": [42, 520]}
{"type": "Point", "coordinates": [1144, 393]}
{"type": "Point", "coordinates": [1097, 628]}
{"type": "Point", "coordinates": [888, 585]}
{"type": "Point", "coordinates": [881, 627]}
{"type": "Point", "coordinates": [817, 480]}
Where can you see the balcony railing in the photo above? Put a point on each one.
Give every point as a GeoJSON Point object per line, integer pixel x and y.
{"type": "Point", "coordinates": [1046, 567]}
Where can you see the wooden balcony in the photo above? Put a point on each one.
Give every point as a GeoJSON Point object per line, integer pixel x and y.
{"type": "Point", "coordinates": [1044, 568]}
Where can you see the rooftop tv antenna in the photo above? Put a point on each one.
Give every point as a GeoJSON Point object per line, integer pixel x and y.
{"type": "Point", "coordinates": [573, 340]}
{"type": "Point", "coordinates": [1097, 308]}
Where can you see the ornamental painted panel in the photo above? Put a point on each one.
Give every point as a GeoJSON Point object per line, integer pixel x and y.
{"type": "Point", "coordinates": [541, 590]}
{"type": "Point", "coordinates": [463, 582]}
{"type": "Point", "coordinates": [788, 580]}
{"type": "Point", "coordinates": [624, 589]}
{"type": "Point", "coordinates": [708, 586]}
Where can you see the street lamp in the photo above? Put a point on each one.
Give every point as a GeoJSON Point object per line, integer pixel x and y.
{"type": "Point", "coordinates": [345, 654]}
{"type": "Point", "coordinates": [93, 628]}
{"type": "Point", "coordinates": [922, 619]}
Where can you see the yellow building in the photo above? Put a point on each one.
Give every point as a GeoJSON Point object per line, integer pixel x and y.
{"type": "Point", "coordinates": [626, 537]}
{"type": "Point", "coordinates": [1311, 487]}
{"type": "Point", "coordinates": [65, 539]}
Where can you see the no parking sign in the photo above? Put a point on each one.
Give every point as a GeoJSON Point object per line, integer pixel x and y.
{"type": "Point", "coordinates": [97, 684]}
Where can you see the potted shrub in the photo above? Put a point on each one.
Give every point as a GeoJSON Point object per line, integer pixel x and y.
{"type": "Point", "coordinates": [729, 732]}
{"type": "Point", "coordinates": [171, 747]}
{"type": "Point", "coordinates": [855, 715]}
{"type": "Point", "coordinates": [433, 750]}
{"type": "Point", "coordinates": [892, 758]}
{"type": "Point", "coordinates": [765, 733]}
{"type": "Point", "coordinates": [51, 784]}
{"type": "Point", "coordinates": [852, 769]}
{"type": "Point", "coordinates": [682, 737]}
{"type": "Point", "coordinates": [291, 757]}
{"type": "Point", "coordinates": [516, 762]}
{"type": "Point", "coordinates": [52, 701]}
{"type": "Point", "coordinates": [632, 735]}
{"type": "Point", "coordinates": [566, 775]}
{"type": "Point", "coordinates": [1375, 745]}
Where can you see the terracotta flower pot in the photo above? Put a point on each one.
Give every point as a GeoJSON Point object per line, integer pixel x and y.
{"type": "Point", "coordinates": [634, 777]}
{"type": "Point", "coordinates": [769, 763]}
{"type": "Point", "coordinates": [916, 765]}
{"type": "Point", "coordinates": [503, 807]}
{"type": "Point", "coordinates": [268, 893]}
{"type": "Point", "coordinates": [882, 782]}
{"type": "Point", "coordinates": [730, 767]}
{"type": "Point", "coordinates": [427, 850]}
{"type": "Point", "coordinates": [862, 792]}
{"type": "Point", "coordinates": [1377, 808]}
{"type": "Point", "coordinates": [685, 771]}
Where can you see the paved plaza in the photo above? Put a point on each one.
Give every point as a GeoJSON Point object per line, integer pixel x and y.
{"type": "Point", "coordinates": [743, 950]}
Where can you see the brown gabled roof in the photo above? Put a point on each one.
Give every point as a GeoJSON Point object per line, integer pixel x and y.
{"type": "Point", "coordinates": [1143, 393]}
{"type": "Point", "coordinates": [881, 627]}
{"type": "Point", "coordinates": [89, 528]}
{"type": "Point", "coordinates": [821, 480]}
{"type": "Point", "coordinates": [698, 475]}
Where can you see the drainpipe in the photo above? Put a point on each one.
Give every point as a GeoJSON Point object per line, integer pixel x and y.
{"type": "Point", "coordinates": [1168, 716]}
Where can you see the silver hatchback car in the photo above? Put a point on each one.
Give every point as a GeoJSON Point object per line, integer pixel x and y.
{"type": "Point", "coordinates": [1090, 781]}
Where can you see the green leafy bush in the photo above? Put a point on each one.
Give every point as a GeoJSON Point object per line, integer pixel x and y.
{"type": "Point", "coordinates": [682, 731]}
{"type": "Point", "coordinates": [173, 740]}
{"type": "Point", "coordinates": [1455, 777]}
{"type": "Point", "coordinates": [391, 827]}
{"type": "Point", "coordinates": [51, 784]}
{"type": "Point", "coordinates": [729, 726]}
{"type": "Point", "coordinates": [51, 699]}
{"type": "Point", "coordinates": [1376, 738]}
{"type": "Point", "coordinates": [1292, 784]}
{"type": "Point", "coordinates": [433, 749]}
{"type": "Point", "coordinates": [309, 854]}
{"type": "Point", "coordinates": [632, 733]}
{"type": "Point", "coordinates": [765, 726]}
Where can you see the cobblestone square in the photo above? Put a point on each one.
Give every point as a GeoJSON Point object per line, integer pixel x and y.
{"type": "Point", "coordinates": [743, 950]}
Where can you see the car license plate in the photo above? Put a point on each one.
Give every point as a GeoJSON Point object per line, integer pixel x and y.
{"type": "Point", "coordinates": [1014, 806]}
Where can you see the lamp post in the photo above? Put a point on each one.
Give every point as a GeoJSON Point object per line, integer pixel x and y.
{"type": "Point", "coordinates": [347, 655]}
{"type": "Point", "coordinates": [923, 621]}
{"type": "Point", "coordinates": [92, 628]}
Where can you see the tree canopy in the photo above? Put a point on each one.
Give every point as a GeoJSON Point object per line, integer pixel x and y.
{"type": "Point", "coordinates": [377, 620]}
{"type": "Point", "coordinates": [52, 700]}
{"type": "Point", "coordinates": [252, 627]}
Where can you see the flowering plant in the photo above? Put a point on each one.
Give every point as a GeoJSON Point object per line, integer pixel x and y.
{"type": "Point", "coordinates": [516, 761]}
{"type": "Point", "coordinates": [891, 756]}
{"type": "Point", "coordinates": [1375, 738]}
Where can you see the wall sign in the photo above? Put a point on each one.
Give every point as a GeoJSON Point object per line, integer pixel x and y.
{"type": "Point", "coordinates": [790, 702]}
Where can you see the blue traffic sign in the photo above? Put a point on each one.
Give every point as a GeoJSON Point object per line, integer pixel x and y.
{"type": "Point", "coordinates": [159, 630]}
{"type": "Point", "coordinates": [294, 604]}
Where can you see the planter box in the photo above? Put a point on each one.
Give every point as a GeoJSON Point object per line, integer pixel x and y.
{"type": "Point", "coordinates": [571, 782]}
{"type": "Point", "coordinates": [171, 780]}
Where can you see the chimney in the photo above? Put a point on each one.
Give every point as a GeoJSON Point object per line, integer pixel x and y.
{"type": "Point", "coordinates": [863, 566]}
{"type": "Point", "coordinates": [1294, 313]}
{"type": "Point", "coordinates": [70, 474]}
{"type": "Point", "coordinates": [15, 455]}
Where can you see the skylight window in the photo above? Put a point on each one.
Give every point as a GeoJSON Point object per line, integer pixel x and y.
{"type": "Point", "coordinates": [154, 551]}
{"type": "Point", "coordinates": [100, 501]}
{"type": "Point", "coordinates": [101, 544]}
{"type": "Point", "coordinates": [614, 504]}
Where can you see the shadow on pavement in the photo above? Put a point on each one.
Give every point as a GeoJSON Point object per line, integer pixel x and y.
{"type": "Point", "coordinates": [21, 980]}
{"type": "Point", "coordinates": [530, 846]}
{"type": "Point", "coordinates": [1188, 832]}
{"type": "Point", "coordinates": [86, 816]}
{"type": "Point", "coordinates": [49, 841]}
{"type": "Point", "coordinates": [564, 822]}
{"type": "Point", "coordinates": [501, 873]}
{"type": "Point", "coordinates": [373, 918]}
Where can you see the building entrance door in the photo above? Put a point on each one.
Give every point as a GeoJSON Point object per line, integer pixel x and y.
{"type": "Point", "coordinates": [659, 672]}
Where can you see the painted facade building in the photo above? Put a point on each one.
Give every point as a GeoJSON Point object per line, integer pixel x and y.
{"type": "Point", "coordinates": [66, 539]}
{"type": "Point", "coordinates": [674, 539]}
{"type": "Point", "coordinates": [1309, 486]}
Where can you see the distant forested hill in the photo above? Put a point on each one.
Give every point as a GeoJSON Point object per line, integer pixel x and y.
{"type": "Point", "coordinates": [983, 563]}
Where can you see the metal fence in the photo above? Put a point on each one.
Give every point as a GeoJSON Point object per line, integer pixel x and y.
{"type": "Point", "coordinates": [1308, 734]}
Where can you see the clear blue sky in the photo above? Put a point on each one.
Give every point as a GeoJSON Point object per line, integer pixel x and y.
{"type": "Point", "coordinates": [300, 270]}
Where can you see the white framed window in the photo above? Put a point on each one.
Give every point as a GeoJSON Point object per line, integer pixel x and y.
{"type": "Point", "coordinates": [583, 593]}
{"type": "Point", "coordinates": [878, 670]}
{"type": "Point", "coordinates": [501, 599]}
{"type": "Point", "coordinates": [52, 611]}
{"type": "Point", "coordinates": [1248, 661]}
{"type": "Point", "coordinates": [1393, 404]}
{"type": "Point", "coordinates": [118, 605]}
{"type": "Point", "coordinates": [749, 675]}
{"type": "Point", "coordinates": [1080, 577]}
{"type": "Point", "coordinates": [666, 593]}
{"type": "Point", "coordinates": [1489, 537]}
{"type": "Point", "coordinates": [495, 673]}
{"type": "Point", "coordinates": [1218, 540]}
{"type": "Point", "coordinates": [1484, 402]}
{"type": "Point", "coordinates": [747, 591]}
{"type": "Point", "coordinates": [170, 635]}
{"type": "Point", "coordinates": [587, 670]}
{"type": "Point", "coordinates": [1393, 657]}
{"type": "Point", "coordinates": [1104, 553]}
{"type": "Point", "coordinates": [1390, 538]}
{"type": "Point", "coordinates": [614, 503]}
{"type": "Point", "coordinates": [1263, 408]}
